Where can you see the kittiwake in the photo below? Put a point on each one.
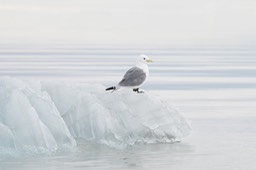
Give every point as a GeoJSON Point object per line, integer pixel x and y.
{"type": "Point", "coordinates": [135, 76]}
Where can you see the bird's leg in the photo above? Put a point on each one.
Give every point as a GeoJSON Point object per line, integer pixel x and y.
{"type": "Point", "coordinates": [138, 91]}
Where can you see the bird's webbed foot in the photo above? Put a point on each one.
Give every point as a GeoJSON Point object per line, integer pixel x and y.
{"type": "Point", "coordinates": [138, 91]}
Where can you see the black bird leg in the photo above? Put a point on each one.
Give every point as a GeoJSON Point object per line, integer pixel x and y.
{"type": "Point", "coordinates": [138, 91]}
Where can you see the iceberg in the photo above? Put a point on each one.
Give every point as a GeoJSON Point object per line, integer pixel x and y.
{"type": "Point", "coordinates": [52, 115]}
{"type": "Point", "coordinates": [29, 118]}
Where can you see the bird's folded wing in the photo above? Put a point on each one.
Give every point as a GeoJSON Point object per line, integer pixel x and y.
{"type": "Point", "coordinates": [133, 77]}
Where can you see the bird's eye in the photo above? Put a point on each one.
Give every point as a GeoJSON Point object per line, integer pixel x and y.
{"type": "Point", "coordinates": [144, 58]}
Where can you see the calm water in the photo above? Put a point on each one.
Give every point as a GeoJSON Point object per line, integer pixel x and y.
{"type": "Point", "coordinates": [215, 89]}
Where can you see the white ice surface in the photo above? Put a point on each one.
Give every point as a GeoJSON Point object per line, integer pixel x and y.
{"type": "Point", "coordinates": [35, 115]}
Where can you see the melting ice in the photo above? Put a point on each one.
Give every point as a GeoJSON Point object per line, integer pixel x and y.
{"type": "Point", "coordinates": [44, 115]}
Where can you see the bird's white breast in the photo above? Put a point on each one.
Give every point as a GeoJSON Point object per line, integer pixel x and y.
{"type": "Point", "coordinates": [144, 67]}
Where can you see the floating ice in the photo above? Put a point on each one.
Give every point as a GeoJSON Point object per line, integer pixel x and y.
{"type": "Point", "coordinates": [29, 118]}
{"type": "Point", "coordinates": [52, 115]}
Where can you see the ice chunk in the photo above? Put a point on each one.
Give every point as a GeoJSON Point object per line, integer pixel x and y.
{"type": "Point", "coordinates": [116, 119]}
{"type": "Point", "coordinates": [29, 118]}
{"type": "Point", "coordinates": [51, 115]}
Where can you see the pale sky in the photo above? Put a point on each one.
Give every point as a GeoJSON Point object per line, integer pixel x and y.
{"type": "Point", "coordinates": [129, 22]}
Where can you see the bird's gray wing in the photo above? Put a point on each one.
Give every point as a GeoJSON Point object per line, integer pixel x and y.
{"type": "Point", "coordinates": [133, 77]}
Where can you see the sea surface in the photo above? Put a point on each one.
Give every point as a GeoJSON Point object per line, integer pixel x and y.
{"type": "Point", "coordinates": [214, 88]}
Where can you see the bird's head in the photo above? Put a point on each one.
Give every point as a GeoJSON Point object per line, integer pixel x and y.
{"type": "Point", "coordinates": [144, 59]}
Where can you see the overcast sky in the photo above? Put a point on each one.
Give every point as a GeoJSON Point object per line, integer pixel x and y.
{"type": "Point", "coordinates": [129, 22]}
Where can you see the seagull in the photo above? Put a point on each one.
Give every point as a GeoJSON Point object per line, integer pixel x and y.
{"type": "Point", "coordinates": [135, 76]}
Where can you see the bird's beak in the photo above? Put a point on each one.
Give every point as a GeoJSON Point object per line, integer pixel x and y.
{"type": "Point", "coordinates": [149, 61]}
